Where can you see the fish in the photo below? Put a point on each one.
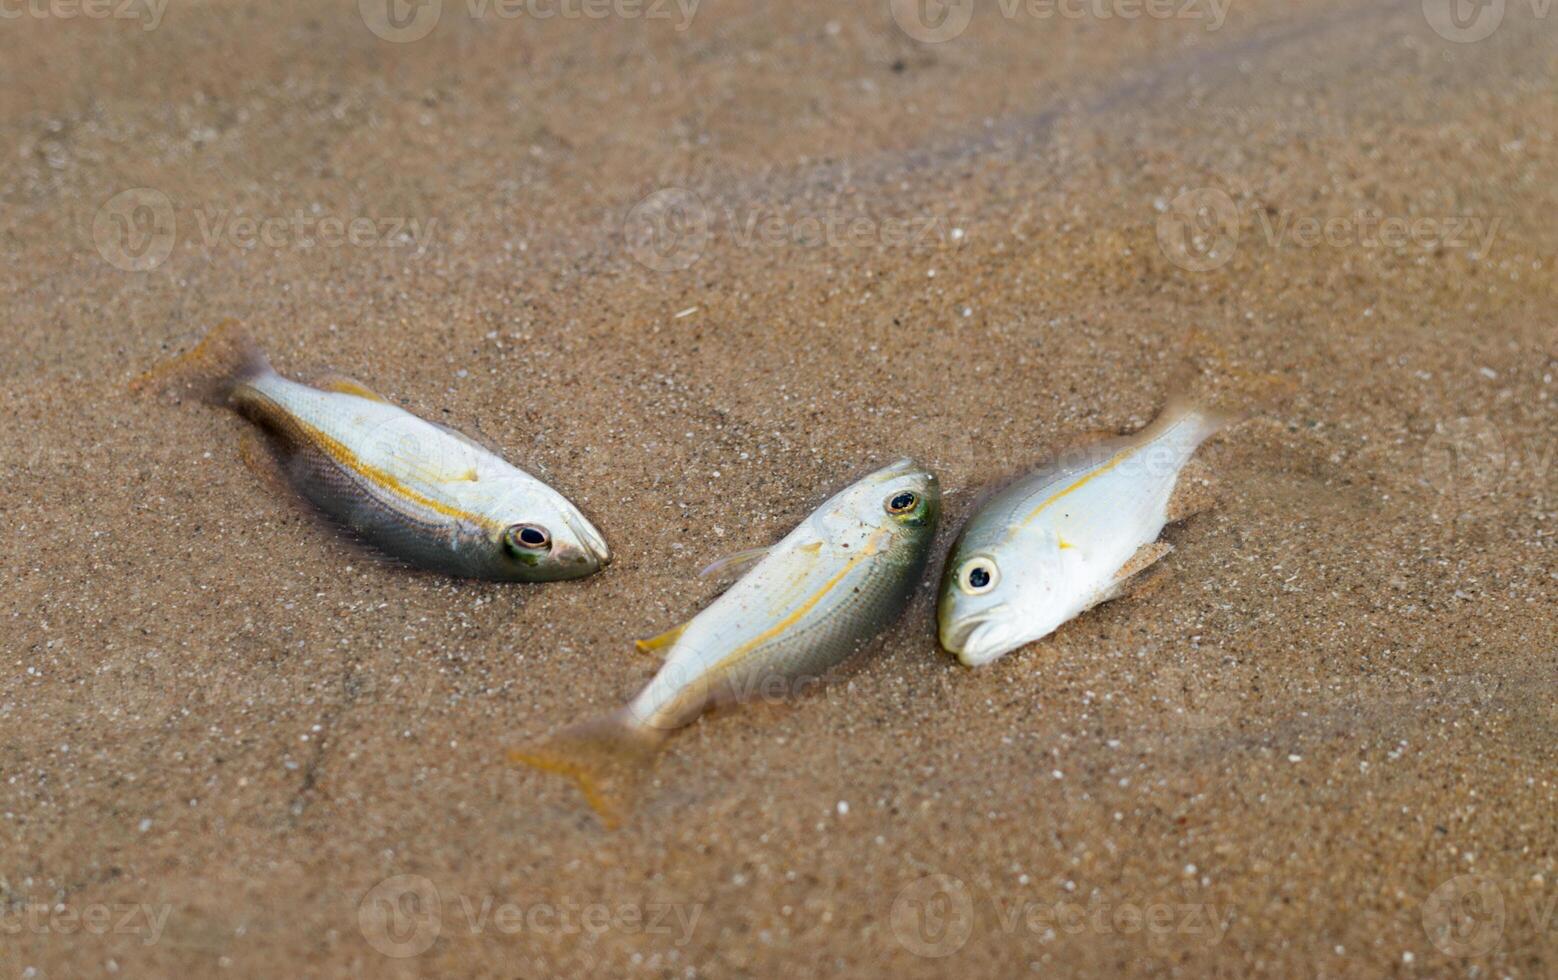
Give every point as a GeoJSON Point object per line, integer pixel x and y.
{"type": "Point", "coordinates": [418, 492]}
{"type": "Point", "coordinates": [1072, 534]}
{"type": "Point", "coordinates": [805, 605]}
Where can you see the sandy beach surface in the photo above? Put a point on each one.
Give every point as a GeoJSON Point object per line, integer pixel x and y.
{"type": "Point", "coordinates": [699, 270]}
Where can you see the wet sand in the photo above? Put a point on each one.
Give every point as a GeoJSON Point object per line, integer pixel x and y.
{"type": "Point", "coordinates": [1322, 742]}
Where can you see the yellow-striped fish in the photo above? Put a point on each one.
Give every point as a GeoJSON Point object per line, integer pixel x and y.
{"type": "Point", "coordinates": [1066, 537]}
{"type": "Point", "coordinates": [416, 490]}
{"type": "Point", "coordinates": [808, 603]}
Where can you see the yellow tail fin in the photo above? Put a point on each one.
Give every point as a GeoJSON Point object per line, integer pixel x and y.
{"type": "Point", "coordinates": [606, 757]}
{"type": "Point", "coordinates": [224, 359]}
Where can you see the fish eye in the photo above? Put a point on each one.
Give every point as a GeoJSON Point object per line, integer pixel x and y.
{"type": "Point", "coordinates": [902, 502]}
{"type": "Point", "coordinates": [527, 538]}
{"type": "Point", "coordinates": [978, 576]}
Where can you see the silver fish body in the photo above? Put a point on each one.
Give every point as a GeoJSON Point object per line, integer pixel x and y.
{"type": "Point", "coordinates": [419, 492]}
{"type": "Point", "coordinates": [1064, 538]}
{"type": "Point", "coordinates": [828, 587]}
{"type": "Point", "coordinates": [811, 600]}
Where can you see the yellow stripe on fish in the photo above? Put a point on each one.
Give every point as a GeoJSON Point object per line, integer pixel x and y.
{"type": "Point", "coordinates": [1021, 567]}
{"type": "Point", "coordinates": [778, 629]}
{"type": "Point", "coordinates": [1114, 461]}
{"type": "Point", "coordinates": [875, 534]}
{"type": "Point", "coordinates": [346, 458]}
{"type": "Point", "coordinates": [430, 496]}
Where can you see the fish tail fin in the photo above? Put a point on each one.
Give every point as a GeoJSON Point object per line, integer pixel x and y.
{"type": "Point", "coordinates": [1213, 391]}
{"type": "Point", "coordinates": [606, 757]}
{"type": "Point", "coordinates": [1198, 420]}
{"type": "Point", "coordinates": [223, 359]}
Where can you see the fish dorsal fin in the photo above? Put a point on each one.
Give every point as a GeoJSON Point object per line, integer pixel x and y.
{"type": "Point", "coordinates": [734, 564]}
{"type": "Point", "coordinates": [341, 384]}
{"type": "Point", "coordinates": [660, 645]}
{"type": "Point", "coordinates": [483, 444]}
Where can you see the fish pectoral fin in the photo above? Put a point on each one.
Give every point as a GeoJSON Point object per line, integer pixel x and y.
{"type": "Point", "coordinates": [1129, 577]}
{"type": "Point", "coordinates": [1144, 556]}
{"type": "Point", "coordinates": [341, 384]}
{"type": "Point", "coordinates": [734, 564]}
{"type": "Point", "coordinates": [481, 443]}
{"type": "Point", "coordinates": [661, 645]}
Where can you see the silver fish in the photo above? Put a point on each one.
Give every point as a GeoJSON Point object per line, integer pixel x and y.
{"type": "Point", "coordinates": [807, 603]}
{"type": "Point", "coordinates": [416, 490]}
{"type": "Point", "coordinates": [1066, 537]}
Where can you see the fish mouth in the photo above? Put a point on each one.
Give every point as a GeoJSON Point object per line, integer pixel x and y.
{"type": "Point", "coordinates": [978, 639]}
{"type": "Point", "coordinates": [591, 542]}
